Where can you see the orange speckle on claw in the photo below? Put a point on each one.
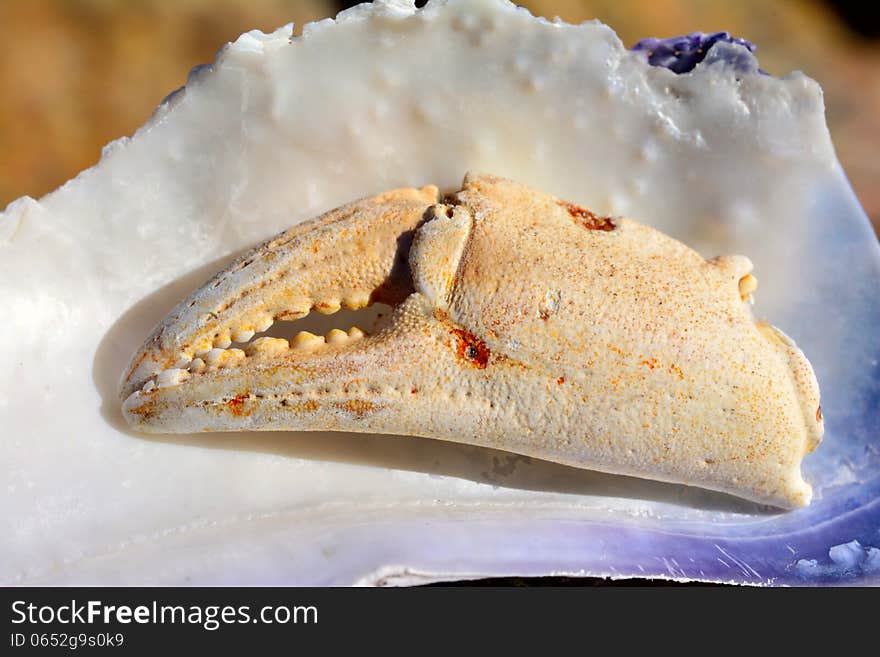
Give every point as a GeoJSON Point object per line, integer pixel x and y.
{"type": "Point", "coordinates": [236, 404]}
{"type": "Point", "coordinates": [358, 407]}
{"type": "Point", "coordinates": [145, 410]}
{"type": "Point", "coordinates": [587, 219]}
{"type": "Point", "coordinates": [471, 348]}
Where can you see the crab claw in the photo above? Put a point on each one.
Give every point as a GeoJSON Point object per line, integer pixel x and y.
{"type": "Point", "coordinates": [521, 322]}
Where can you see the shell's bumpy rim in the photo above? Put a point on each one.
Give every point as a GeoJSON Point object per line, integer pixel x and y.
{"type": "Point", "coordinates": [521, 322]}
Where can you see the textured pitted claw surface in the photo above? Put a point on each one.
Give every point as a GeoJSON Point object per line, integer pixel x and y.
{"type": "Point", "coordinates": [344, 258]}
{"type": "Point", "coordinates": [521, 322]}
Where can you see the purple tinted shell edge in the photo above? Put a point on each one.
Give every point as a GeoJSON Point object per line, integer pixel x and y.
{"type": "Point", "coordinates": [681, 54]}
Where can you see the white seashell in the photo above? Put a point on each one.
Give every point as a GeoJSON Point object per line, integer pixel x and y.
{"type": "Point", "coordinates": [417, 511]}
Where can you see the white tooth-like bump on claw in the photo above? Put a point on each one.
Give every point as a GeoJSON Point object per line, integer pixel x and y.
{"type": "Point", "coordinates": [234, 355]}
{"type": "Point", "coordinates": [197, 366]}
{"type": "Point", "coordinates": [213, 357]}
{"type": "Point", "coordinates": [182, 360]}
{"type": "Point", "coordinates": [223, 342]}
{"type": "Point", "coordinates": [355, 333]}
{"type": "Point", "coordinates": [328, 306]}
{"type": "Point", "coordinates": [242, 335]}
{"type": "Point", "coordinates": [298, 309]}
{"type": "Point", "coordinates": [268, 347]}
{"type": "Point", "coordinates": [356, 301]}
{"type": "Point", "coordinates": [336, 336]}
{"type": "Point", "coordinates": [264, 323]}
{"type": "Point", "coordinates": [306, 340]}
{"type": "Point", "coordinates": [747, 285]}
{"type": "Point", "coordinates": [224, 357]}
{"type": "Point", "coordinates": [203, 347]}
{"type": "Point", "coordinates": [172, 377]}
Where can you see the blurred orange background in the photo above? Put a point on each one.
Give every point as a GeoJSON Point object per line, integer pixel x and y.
{"type": "Point", "coordinates": [76, 74]}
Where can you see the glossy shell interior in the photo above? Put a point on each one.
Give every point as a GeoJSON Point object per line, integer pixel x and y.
{"type": "Point", "coordinates": [278, 130]}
